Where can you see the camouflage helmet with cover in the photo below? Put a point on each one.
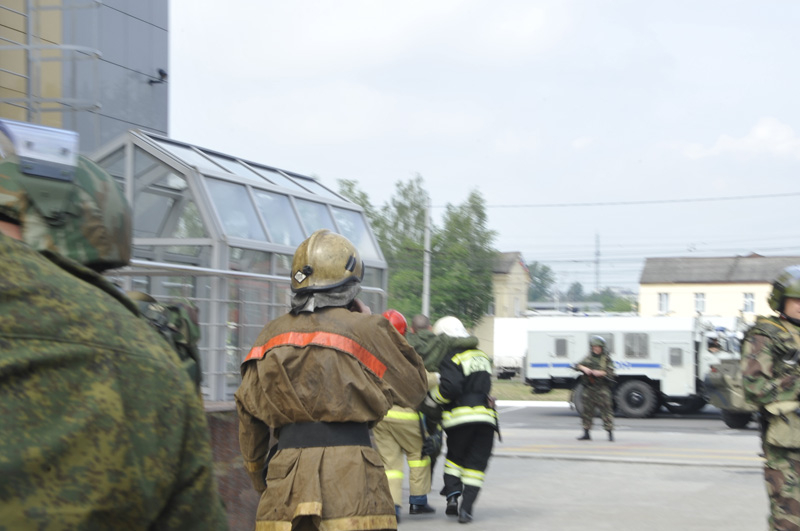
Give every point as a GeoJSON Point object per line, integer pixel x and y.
{"type": "Point", "coordinates": [325, 260]}
{"type": "Point", "coordinates": [64, 203]}
{"type": "Point", "coordinates": [597, 341]}
{"type": "Point", "coordinates": [787, 284]}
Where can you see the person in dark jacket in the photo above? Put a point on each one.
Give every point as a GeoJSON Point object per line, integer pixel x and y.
{"type": "Point", "coordinates": [463, 402]}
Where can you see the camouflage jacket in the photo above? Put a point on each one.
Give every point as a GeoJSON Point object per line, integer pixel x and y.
{"type": "Point", "coordinates": [102, 429]}
{"type": "Point", "coordinates": [602, 362]}
{"type": "Point", "coordinates": [769, 361]}
{"type": "Point", "coordinates": [434, 349]}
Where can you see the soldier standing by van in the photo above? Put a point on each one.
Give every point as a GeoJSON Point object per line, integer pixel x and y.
{"type": "Point", "coordinates": [771, 379]}
{"type": "Point", "coordinates": [597, 380]}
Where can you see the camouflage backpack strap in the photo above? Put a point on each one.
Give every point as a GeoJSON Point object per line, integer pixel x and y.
{"type": "Point", "coordinates": [178, 324]}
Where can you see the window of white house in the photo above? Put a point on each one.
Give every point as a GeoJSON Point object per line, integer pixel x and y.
{"type": "Point", "coordinates": [700, 302]}
{"type": "Point", "coordinates": [663, 303]}
{"type": "Point", "coordinates": [749, 303]}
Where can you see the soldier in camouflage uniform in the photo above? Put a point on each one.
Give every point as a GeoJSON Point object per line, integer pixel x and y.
{"type": "Point", "coordinates": [101, 427]}
{"type": "Point", "coordinates": [597, 380]}
{"type": "Point", "coordinates": [771, 379]}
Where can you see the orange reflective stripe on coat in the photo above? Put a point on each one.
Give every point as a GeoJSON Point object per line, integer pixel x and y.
{"type": "Point", "coordinates": [321, 339]}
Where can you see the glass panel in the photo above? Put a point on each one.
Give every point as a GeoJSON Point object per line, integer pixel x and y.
{"type": "Point", "coordinates": [278, 178]}
{"type": "Point", "coordinates": [282, 299]}
{"type": "Point", "coordinates": [235, 210]}
{"type": "Point", "coordinates": [676, 357]}
{"type": "Point", "coordinates": [149, 213]}
{"type": "Point", "coordinates": [190, 156]}
{"type": "Point", "coordinates": [354, 228]}
{"type": "Point", "coordinates": [315, 187]}
{"type": "Point", "coordinates": [190, 223]}
{"type": "Point", "coordinates": [114, 163]}
{"type": "Point", "coordinates": [145, 167]}
{"type": "Point", "coordinates": [373, 278]}
{"type": "Point", "coordinates": [233, 166]}
{"type": "Point", "coordinates": [315, 216]}
{"type": "Point", "coordinates": [375, 301]}
{"type": "Point", "coordinates": [283, 265]}
{"type": "Point", "coordinates": [248, 312]}
{"type": "Point", "coordinates": [279, 217]}
{"type": "Point", "coordinates": [249, 260]}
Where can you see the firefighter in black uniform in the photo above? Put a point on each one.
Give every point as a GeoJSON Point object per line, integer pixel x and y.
{"type": "Point", "coordinates": [468, 417]}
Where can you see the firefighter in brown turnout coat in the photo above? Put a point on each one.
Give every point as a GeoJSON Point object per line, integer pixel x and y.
{"type": "Point", "coordinates": [320, 377]}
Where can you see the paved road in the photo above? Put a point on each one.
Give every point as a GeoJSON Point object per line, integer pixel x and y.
{"type": "Point", "coordinates": [667, 473]}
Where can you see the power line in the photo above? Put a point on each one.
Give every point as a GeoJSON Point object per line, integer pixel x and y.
{"type": "Point", "coordinates": [642, 202]}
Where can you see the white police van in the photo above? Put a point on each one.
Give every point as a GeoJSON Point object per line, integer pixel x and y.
{"type": "Point", "coordinates": [659, 361]}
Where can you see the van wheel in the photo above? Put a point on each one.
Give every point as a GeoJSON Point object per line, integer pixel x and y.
{"type": "Point", "coordinates": [736, 421]}
{"type": "Point", "coordinates": [636, 399]}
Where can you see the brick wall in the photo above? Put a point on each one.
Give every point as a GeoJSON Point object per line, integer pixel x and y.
{"type": "Point", "coordinates": [238, 495]}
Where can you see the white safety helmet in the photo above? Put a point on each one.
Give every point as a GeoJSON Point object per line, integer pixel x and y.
{"type": "Point", "coordinates": [450, 326]}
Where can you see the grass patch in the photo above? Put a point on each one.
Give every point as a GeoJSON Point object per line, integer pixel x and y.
{"type": "Point", "coordinates": [514, 389]}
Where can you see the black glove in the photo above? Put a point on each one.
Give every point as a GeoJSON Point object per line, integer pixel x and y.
{"type": "Point", "coordinates": [431, 409]}
{"type": "Point", "coordinates": [432, 445]}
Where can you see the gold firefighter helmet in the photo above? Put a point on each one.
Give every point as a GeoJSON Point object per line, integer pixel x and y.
{"type": "Point", "coordinates": [324, 261]}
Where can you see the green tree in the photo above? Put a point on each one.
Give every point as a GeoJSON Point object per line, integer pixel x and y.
{"type": "Point", "coordinates": [462, 252]}
{"type": "Point", "coordinates": [575, 292]}
{"type": "Point", "coordinates": [542, 280]}
{"type": "Point", "coordinates": [611, 301]}
{"type": "Point", "coordinates": [461, 265]}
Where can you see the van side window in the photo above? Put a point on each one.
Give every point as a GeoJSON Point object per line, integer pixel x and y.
{"type": "Point", "coordinates": [636, 345]}
{"type": "Point", "coordinates": [561, 347]}
{"type": "Point", "coordinates": [676, 357]}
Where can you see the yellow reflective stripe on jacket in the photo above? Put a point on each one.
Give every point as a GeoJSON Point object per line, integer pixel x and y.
{"type": "Point", "coordinates": [402, 415]}
{"type": "Point", "coordinates": [466, 415]}
{"type": "Point", "coordinates": [436, 394]}
{"type": "Point", "coordinates": [472, 361]}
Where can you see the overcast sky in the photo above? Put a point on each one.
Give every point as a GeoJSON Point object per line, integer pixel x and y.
{"type": "Point", "coordinates": [578, 121]}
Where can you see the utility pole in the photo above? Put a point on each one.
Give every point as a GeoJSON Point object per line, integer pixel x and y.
{"type": "Point", "coordinates": [597, 262]}
{"type": "Point", "coordinates": [426, 262]}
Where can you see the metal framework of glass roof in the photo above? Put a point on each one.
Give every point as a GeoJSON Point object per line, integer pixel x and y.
{"type": "Point", "coordinates": [221, 231]}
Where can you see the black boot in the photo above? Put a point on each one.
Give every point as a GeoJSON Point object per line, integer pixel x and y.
{"type": "Point", "coordinates": [420, 509]}
{"type": "Point", "coordinates": [452, 505]}
{"type": "Point", "coordinates": [610, 435]}
{"type": "Point", "coordinates": [586, 436]}
{"type": "Point", "coordinates": [468, 498]}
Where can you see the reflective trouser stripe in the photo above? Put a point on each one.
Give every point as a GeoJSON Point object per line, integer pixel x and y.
{"type": "Point", "coordinates": [402, 415]}
{"type": "Point", "coordinates": [472, 477]}
{"type": "Point", "coordinates": [452, 469]}
{"type": "Point", "coordinates": [394, 474]}
{"type": "Point", "coordinates": [425, 461]}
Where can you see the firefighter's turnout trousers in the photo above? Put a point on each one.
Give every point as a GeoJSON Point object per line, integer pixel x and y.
{"type": "Point", "coordinates": [397, 435]}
